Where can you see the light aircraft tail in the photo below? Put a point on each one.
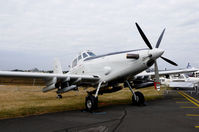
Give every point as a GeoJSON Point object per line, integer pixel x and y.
{"type": "Point", "coordinates": [57, 69]}
{"type": "Point", "coordinates": [189, 66]}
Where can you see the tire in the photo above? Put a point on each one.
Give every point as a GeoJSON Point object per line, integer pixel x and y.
{"type": "Point", "coordinates": [140, 99]}
{"type": "Point", "coordinates": [91, 103]}
{"type": "Point", "coordinates": [59, 96]}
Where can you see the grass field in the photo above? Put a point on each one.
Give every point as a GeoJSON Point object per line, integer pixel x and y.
{"type": "Point", "coordinates": [18, 101]}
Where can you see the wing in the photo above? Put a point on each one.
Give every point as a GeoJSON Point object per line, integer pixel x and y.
{"type": "Point", "coordinates": [50, 81]}
{"type": "Point", "coordinates": [166, 72]}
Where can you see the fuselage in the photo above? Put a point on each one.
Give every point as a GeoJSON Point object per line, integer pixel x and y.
{"type": "Point", "coordinates": [115, 66]}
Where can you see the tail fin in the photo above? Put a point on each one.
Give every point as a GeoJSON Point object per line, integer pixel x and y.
{"type": "Point", "coordinates": [57, 67]}
{"type": "Point", "coordinates": [189, 66]}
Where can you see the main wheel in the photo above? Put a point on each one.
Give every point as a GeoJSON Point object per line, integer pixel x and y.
{"type": "Point", "coordinates": [139, 99]}
{"type": "Point", "coordinates": [91, 103]}
{"type": "Point", "coordinates": [59, 96]}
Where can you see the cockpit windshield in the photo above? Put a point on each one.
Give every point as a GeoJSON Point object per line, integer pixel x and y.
{"type": "Point", "coordinates": [81, 57]}
{"type": "Point", "coordinates": [91, 54]}
{"type": "Point", "coordinates": [84, 55]}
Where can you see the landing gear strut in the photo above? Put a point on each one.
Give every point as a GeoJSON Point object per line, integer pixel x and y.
{"type": "Point", "coordinates": [91, 101]}
{"type": "Point", "coordinates": [138, 97]}
{"type": "Point", "coordinates": [59, 96]}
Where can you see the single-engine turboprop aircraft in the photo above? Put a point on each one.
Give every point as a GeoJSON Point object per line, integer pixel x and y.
{"type": "Point", "coordinates": [97, 71]}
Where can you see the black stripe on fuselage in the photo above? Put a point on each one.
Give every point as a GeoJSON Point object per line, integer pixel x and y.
{"type": "Point", "coordinates": [113, 53]}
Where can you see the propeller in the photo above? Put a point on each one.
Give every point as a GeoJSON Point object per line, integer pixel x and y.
{"type": "Point", "coordinates": [159, 40]}
{"type": "Point", "coordinates": [156, 83]}
{"type": "Point", "coordinates": [143, 36]}
{"type": "Point", "coordinates": [157, 79]}
{"type": "Point", "coordinates": [169, 61]}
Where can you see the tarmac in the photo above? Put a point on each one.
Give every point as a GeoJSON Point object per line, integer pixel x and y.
{"type": "Point", "coordinates": [176, 112]}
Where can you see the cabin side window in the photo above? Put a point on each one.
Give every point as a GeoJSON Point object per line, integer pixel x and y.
{"type": "Point", "coordinates": [84, 55]}
{"type": "Point", "coordinates": [74, 62]}
{"type": "Point", "coordinates": [79, 57]}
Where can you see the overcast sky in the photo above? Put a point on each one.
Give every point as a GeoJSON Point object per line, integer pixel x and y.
{"type": "Point", "coordinates": [34, 32]}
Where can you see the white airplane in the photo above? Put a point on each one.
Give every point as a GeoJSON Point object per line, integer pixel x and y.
{"type": "Point", "coordinates": [97, 71]}
{"type": "Point", "coordinates": [180, 81]}
{"type": "Point", "coordinates": [145, 79]}
{"type": "Point", "coordinates": [195, 74]}
{"type": "Point", "coordinates": [186, 79]}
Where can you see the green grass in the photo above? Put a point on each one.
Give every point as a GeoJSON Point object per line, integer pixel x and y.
{"type": "Point", "coordinates": [25, 101]}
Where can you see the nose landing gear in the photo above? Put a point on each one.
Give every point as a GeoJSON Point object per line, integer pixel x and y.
{"type": "Point", "coordinates": [137, 97]}
{"type": "Point", "coordinates": [140, 100]}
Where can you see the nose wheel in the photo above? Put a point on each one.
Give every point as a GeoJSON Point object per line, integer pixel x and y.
{"type": "Point", "coordinates": [139, 99]}
{"type": "Point", "coordinates": [91, 103]}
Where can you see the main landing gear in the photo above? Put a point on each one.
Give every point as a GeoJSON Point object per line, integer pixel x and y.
{"type": "Point", "coordinates": [137, 97]}
{"type": "Point", "coordinates": [59, 96]}
{"type": "Point", "coordinates": [91, 102]}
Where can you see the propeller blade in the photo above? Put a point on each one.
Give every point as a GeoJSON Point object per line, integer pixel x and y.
{"type": "Point", "coordinates": [169, 61]}
{"type": "Point", "coordinates": [159, 40]}
{"type": "Point", "coordinates": [157, 79]}
{"type": "Point", "coordinates": [143, 36]}
{"type": "Point", "coordinates": [156, 72]}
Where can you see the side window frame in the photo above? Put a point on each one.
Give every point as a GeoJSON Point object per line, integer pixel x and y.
{"type": "Point", "coordinates": [74, 62]}
{"type": "Point", "coordinates": [79, 57]}
{"type": "Point", "coordinates": [85, 55]}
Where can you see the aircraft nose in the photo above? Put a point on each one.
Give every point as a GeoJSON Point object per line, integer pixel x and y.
{"type": "Point", "coordinates": [156, 53]}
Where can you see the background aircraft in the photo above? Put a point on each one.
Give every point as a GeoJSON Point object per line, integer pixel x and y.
{"type": "Point", "coordinates": [186, 80]}
{"type": "Point", "coordinates": [146, 79]}
{"type": "Point", "coordinates": [180, 81]}
{"type": "Point", "coordinates": [99, 71]}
